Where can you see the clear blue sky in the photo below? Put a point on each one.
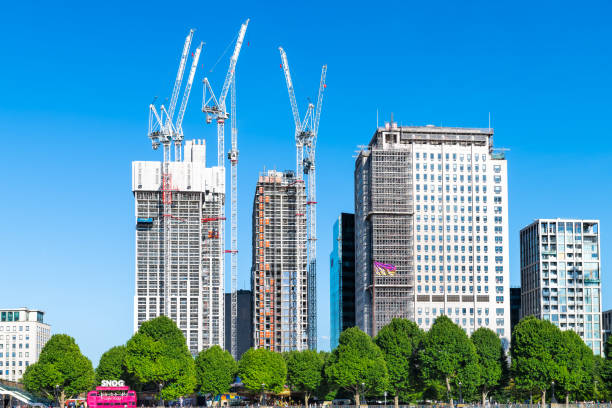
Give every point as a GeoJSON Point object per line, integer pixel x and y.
{"type": "Point", "coordinates": [76, 79]}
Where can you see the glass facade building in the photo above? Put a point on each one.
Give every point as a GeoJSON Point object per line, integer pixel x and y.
{"type": "Point", "coordinates": [561, 276]}
{"type": "Point", "coordinates": [342, 277]}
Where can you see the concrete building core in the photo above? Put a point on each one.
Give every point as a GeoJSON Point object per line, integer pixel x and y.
{"type": "Point", "coordinates": [278, 273]}
{"type": "Point", "coordinates": [187, 286]}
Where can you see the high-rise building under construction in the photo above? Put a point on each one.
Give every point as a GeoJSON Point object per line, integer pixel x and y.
{"type": "Point", "coordinates": [279, 277]}
{"type": "Point", "coordinates": [188, 285]}
{"type": "Point", "coordinates": [431, 229]}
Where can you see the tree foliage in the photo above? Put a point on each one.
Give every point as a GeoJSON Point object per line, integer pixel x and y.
{"type": "Point", "coordinates": [448, 357]}
{"type": "Point", "coordinates": [60, 364]}
{"type": "Point", "coordinates": [491, 360]}
{"type": "Point", "coordinates": [261, 366]}
{"type": "Point", "coordinates": [305, 372]}
{"type": "Point", "coordinates": [534, 344]}
{"type": "Point", "coordinates": [357, 364]}
{"type": "Point", "coordinates": [215, 370]}
{"type": "Point", "coordinates": [399, 342]}
{"type": "Point", "coordinates": [576, 365]}
{"type": "Point", "coordinates": [111, 365]}
{"type": "Point", "coordinates": [158, 354]}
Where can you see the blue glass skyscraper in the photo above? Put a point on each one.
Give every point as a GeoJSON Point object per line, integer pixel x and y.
{"type": "Point", "coordinates": [342, 277]}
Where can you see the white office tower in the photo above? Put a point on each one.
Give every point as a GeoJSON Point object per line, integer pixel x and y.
{"type": "Point", "coordinates": [23, 334]}
{"type": "Point", "coordinates": [561, 276]}
{"type": "Point", "coordinates": [188, 285]}
{"type": "Point", "coordinates": [431, 229]}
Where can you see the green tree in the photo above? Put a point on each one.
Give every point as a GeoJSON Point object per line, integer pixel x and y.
{"type": "Point", "coordinates": [491, 360]}
{"type": "Point", "coordinates": [357, 364]}
{"type": "Point", "coordinates": [576, 365]}
{"type": "Point", "coordinates": [602, 382]}
{"type": "Point", "coordinates": [305, 372]}
{"type": "Point", "coordinates": [60, 365]}
{"type": "Point", "coordinates": [399, 342]}
{"type": "Point", "coordinates": [534, 344]}
{"type": "Point", "coordinates": [262, 370]}
{"type": "Point", "coordinates": [215, 370]}
{"type": "Point", "coordinates": [327, 391]}
{"type": "Point", "coordinates": [157, 355]}
{"type": "Point", "coordinates": [447, 356]}
{"type": "Point", "coordinates": [111, 365]}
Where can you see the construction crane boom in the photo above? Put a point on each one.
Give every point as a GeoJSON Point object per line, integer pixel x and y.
{"type": "Point", "coordinates": [232, 64]}
{"type": "Point", "coordinates": [178, 126]}
{"type": "Point", "coordinates": [179, 75]}
{"type": "Point", "coordinates": [294, 108]}
{"type": "Point", "coordinates": [319, 101]}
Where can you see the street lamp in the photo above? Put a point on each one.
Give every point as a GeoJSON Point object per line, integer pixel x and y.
{"type": "Point", "coordinates": [553, 400]}
{"type": "Point", "coordinates": [362, 391]}
{"type": "Point", "coordinates": [460, 396]}
{"type": "Point", "coordinates": [263, 394]}
{"type": "Point", "coordinates": [161, 401]}
{"type": "Point", "coordinates": [385, 398]}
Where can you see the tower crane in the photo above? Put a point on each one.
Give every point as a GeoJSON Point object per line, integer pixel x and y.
{"type": "Point", "coordinates": [306, 131]}
{"type": "Point", "coordinates": [215, 108]}
{"type": "Point", "coordinates": [162, 131]}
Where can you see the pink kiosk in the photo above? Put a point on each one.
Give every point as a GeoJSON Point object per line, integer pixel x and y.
{"type": "Point", "coordinates": [111, 394]}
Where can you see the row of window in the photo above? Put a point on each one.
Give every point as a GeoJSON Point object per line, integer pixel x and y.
{"type": "Point", "coordinates": [14, 337]}
{"type": "Point", "coordinates": [447, 156]}
{"type": "Point", "coordinates": [20, 363]}
{"type": "Point", "coordinates": [425, 289]}
{"type": "Point", "coordinates": [27, 345]}
{"type": "Point", "coordinates": [498, 279]}
{"type": "Point", "coordinates": [13, 354]}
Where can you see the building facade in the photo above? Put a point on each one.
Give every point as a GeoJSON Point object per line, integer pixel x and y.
{"type": "Point", "coordinates": [244, 339]}
{"type": "Point", "coordinates": [560, 276]}
{"type": "Point", "coordinates": [342, 277]}
{"type": "Point", "coordinates": [278, 273]}
{"type": "Point", "coordinates": [188, 285]}
{"type": "Point", "coordinates": [23, 334]}
{"type": "Point", "coordinates": [431, 229]}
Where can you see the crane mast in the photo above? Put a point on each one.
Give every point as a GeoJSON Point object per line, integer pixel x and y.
{"type": "Point", "coordinates": [306, 132]}
{"type": "Point", "coordinates": [162, 131]}
{"type": "Point", "coordinates": [215, 109]}
{"type": "Point", "coordinates": [233, 157]}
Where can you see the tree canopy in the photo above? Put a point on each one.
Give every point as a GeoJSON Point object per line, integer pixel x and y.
{"type": "Point", "coordinates": [111, 365]}
{"type": "Point", "coordinates": [158, 354]}
{"type": "Point", "coordinates": [60, 364]}
{"type": "Point", "coordinates": [357, 364]}
{"type": "Point", "coordinates": [491, 360]}
{"type": "Point", "coordinates": [534, 344]}
{"type": "Point", "coordinates": [399, 342]}
{"type": "Point", "coordinates": [305, 372]}
{"type": "Point", "coordinates": [448, 358]}
{"type": "Point", "coordinates": [262, 366]}
{"type": "Point", "coordinates": [576, 364]}
{"type": "Point", "coordinates": [215, 370]}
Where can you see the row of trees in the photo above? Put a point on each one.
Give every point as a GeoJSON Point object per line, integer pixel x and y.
{"type": "Point", "coordinates": [402, 360]}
